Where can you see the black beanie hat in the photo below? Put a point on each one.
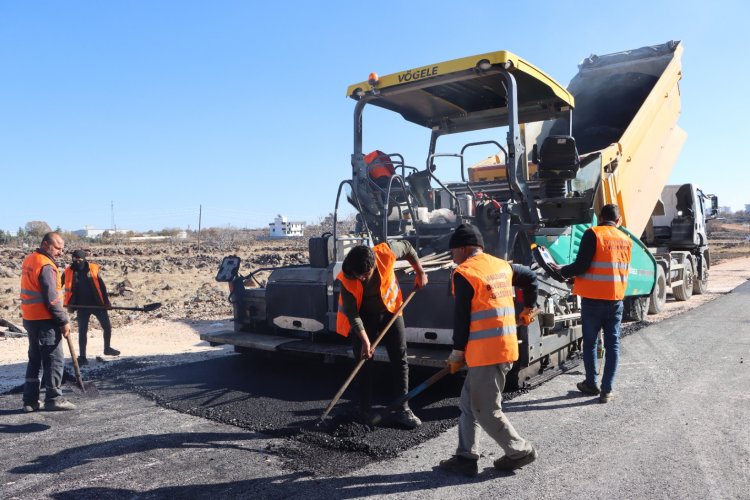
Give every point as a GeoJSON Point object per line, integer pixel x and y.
{"type": "Point", "coordinates": [79, 254]}
{"type": "Point", "coordinates": [466, 235]}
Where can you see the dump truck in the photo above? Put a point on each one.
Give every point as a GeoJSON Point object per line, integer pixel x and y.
{"type": "Point", "coordinates": [559, 154]}
{"type": "Point", "coordinates": [677, 237]}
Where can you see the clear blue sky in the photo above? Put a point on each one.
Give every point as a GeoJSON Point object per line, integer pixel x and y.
{"type": "Point", "coordinates": [162, 106]}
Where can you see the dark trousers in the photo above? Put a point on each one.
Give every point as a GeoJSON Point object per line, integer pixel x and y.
{"type": "Point", "coordinates": [45, 353]}
{"type": "Point", "coordinates": [395, 344]}
{"type": "Point", "coordinates": [83, 327]}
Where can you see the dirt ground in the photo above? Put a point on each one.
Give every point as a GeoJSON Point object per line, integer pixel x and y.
{"type": "Point", "coordinates": [182, 279]}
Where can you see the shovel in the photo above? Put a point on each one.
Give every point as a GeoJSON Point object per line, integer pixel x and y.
{"type": "Point", "coordinates": [406, 397]}
{"type": "Point", "coordinates": [146, 308]}
{"type": "Point", "coordinates": [87, 388]}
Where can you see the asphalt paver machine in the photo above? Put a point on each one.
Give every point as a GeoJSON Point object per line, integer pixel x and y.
{"type": "Point", "coordinates": [558, 154]}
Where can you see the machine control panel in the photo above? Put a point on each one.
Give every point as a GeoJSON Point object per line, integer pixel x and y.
{"type": "Point", "coordinates": [544, 259]}
{"type": "Point", "coordinates": [228, 268]}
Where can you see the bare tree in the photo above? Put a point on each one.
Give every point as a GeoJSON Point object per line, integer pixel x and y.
{"type": "Point", "coordinates": [37, 228]}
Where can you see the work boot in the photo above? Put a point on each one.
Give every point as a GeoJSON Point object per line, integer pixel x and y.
{"type": "Point", "coordinates": [82, 361]}
{"type": "Point", "coordinates": [605, 397]}
{"type": "Point", "coordinates": [407, 418]}
{"type": "Point", "coordinates": [108, 351]}
{"type": "Point", "coordinates": [586, 389]}
{"type": "Point", "coordinates": [59, 404]}
{"type": "Point", "coordinates": [460, 465]}
{"type": "Point", "coordinates": [31, 407]}
{"type": "Point", "coordinates": [506, 464]}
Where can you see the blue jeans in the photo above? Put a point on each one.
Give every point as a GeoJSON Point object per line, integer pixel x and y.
{"type": "Point", "coordinates": [603, 315]}
{"type": "Point", "coordinates": [45, 353]}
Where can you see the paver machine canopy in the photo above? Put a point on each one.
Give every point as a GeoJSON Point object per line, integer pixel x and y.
{"type": "Point", "coordinates": [487, 91]}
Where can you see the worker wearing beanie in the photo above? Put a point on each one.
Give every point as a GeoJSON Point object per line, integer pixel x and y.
{"type": "Point", "coordinates": [84, 287]}
{"type": "Point", "coordinates": [484, 339]}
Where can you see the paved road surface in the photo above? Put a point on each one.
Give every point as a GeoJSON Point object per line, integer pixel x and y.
{"type": "Point", "coordinates": [679, 428]}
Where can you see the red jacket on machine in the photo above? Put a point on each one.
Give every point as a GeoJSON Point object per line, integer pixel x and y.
{"type": "Point", "coordinates": [379, 165]}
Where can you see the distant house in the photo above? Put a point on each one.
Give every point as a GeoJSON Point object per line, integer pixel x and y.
{"type": "Point", "coordinates": [281, 227]}
{"type": "Point", "coordinates": [725, 210]}
{"type": "Point", "coordinates": [90, 232]}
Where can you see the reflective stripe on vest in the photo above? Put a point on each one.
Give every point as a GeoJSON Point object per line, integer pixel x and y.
{"type": "Point", "coordinates": [93, 274]}
{"type": "Point", "coordinates": [32, 301]}
{"type": "Point", "coordinates": [389, 289]}
{"type": "Point", "coordinates": [607, 276]}
{"type": "Point", "coordinates": [492, 328]}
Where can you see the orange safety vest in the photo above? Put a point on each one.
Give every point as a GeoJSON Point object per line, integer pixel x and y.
{"type": "Point", "coordinates": [32, 303]}
{"type": "Point", "coordinates": [492, 331]}
{"type": "Point", "coordinates": [379, 165]}
{"type": "Point", "coordinates": [93, 274]}
{"type": "Point", "coordinates": [607, 277]}
{"type": "Point", "coordinates": [389, 289]}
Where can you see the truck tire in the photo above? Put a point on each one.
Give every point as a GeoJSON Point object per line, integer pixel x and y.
{"type": "Point", "coordinates": [635, 308]}
{"type": "Point", "coordinates": [685, 290]}
{"type": "Point", "coordinates": [659, 295]}
{"type": "Point", "coordinates": [700, 286]}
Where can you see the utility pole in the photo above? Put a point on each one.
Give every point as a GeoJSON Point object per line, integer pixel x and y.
{"type": "Point", "coordinates": [112, 208]}
{"type": "Point", "coordinates": [200, 213]}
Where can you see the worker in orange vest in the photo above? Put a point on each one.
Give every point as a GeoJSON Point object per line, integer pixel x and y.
{"type": "Point", "coordinates": [601, 270]}
{"type": "Point", "coordinates": [84, 286]}
{"type": "Point", "coordinates": [46, 323]}
{"type": "Point", "coordinates": [369, 297]}
{"type": "Point", "coordinates": [484, 340]}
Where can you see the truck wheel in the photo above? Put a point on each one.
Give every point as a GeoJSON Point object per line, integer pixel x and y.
{"type": "Point", "coordinates": [685, 290]}
{"type": "Point", "coordinates": [659, 295]}
{"type": "Point", "coordinates": [700, 285]}
{"type": "Point", "coordinates": [635, 308]}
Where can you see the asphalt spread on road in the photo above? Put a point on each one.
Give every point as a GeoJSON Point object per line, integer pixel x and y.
{"type": "Point", "coordinates": [285, 397]}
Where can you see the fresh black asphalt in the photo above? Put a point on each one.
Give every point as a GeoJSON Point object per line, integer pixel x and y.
{"type": "Point", "coordinates": [286, 396]}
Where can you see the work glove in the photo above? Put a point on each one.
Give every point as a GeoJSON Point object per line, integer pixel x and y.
{"type": "Point", "coordinates": [456, 361]}
{"type": "Point", "coordinates": [528, 315]}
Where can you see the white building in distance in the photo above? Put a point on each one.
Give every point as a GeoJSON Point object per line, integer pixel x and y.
{"type": "Point", "coordinates": [281, 227]}
{"type": "Point", "coordinates": [90, 232]}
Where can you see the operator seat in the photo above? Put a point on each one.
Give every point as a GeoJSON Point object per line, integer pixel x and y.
{"type": "Point", "coordinates": [558, 162]}
{"type": "Point", "coordinates": [419, 185]}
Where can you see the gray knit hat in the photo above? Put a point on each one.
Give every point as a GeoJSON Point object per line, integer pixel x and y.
{"type": "Point", "coordinates": [466, 235]}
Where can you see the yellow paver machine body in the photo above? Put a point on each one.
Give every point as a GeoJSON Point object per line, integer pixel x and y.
{"type": "Point", "coordinates": [561, 153]}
